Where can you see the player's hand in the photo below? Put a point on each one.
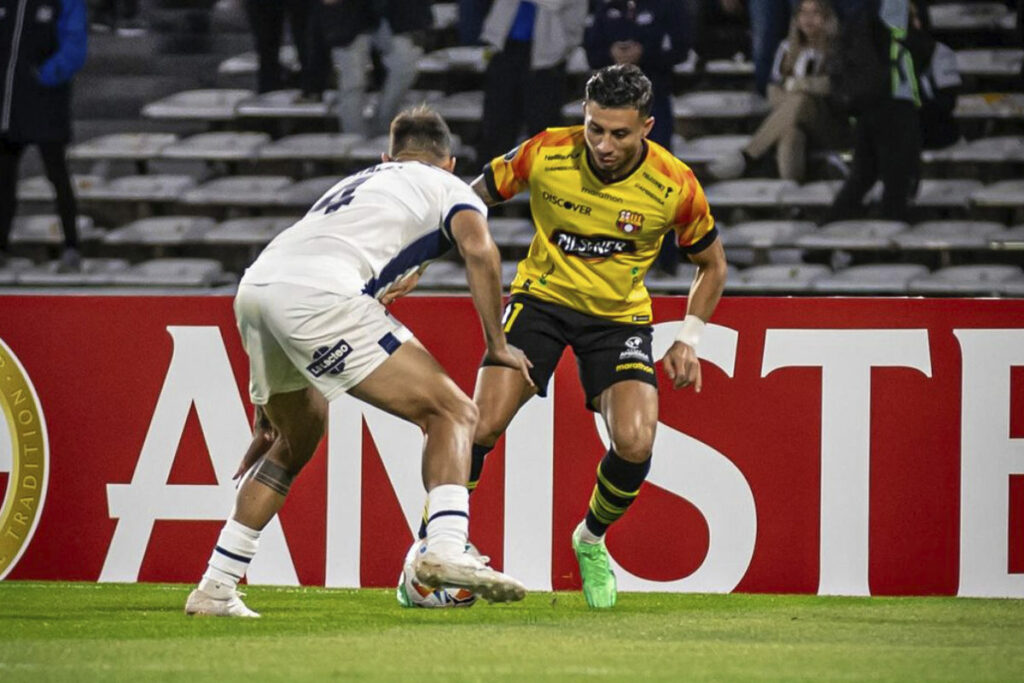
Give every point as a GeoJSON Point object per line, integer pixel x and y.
{"type": "Point", "coordinates": [512, 357]}
{"type": "Point", "coordinates": [263, 436]}
{"type": "Point", "coordinates": [401, 288]}
{"type": "Point", "coordinates": [682, 366]}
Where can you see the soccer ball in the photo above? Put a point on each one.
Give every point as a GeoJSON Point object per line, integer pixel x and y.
{"type": "Point", "coordinates": [412, 593]}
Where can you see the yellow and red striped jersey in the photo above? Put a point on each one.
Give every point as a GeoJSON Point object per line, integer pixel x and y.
{"type": "Point", "coordinates": [595, 241]}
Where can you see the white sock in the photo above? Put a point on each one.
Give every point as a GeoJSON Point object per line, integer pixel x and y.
{"type": "Point", "coordinates": [588, 536]}
{"type": "Point", "coordinates": [447, 519]}
{"type": "Point", "coordinates": [235, 548]}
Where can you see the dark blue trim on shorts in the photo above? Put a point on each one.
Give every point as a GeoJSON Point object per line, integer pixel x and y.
{"type": "Point", "coordinates": [389, 343]}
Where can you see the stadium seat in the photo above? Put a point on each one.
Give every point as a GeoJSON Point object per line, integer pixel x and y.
{"type": "Point", "coordinates": [39, 189]}
{"type": "Point", "coordinates": [739, 65]}
{"type": "Point", "coordinates": [445, 15]}
{"type": "Point", "coordinates": [764, 235]}
{"type": "Point", "coordinates": [874, 278]}
{"type": "Point", "coordinates": [855, 234]}
{"type": "Point", "coordinates": [197, 105]}
{"type": "Point", "coordinates": [217, 147]}
{"type": "Point", "coordinates": [242, 190]}
{"type": "Point", "coordinates": [287, 104]}
{"type": "Point", "coordinates": [1005, 105]}
{"type": "Point", "coordinates": [954, 193]}
{"type": "Point", "coordinates": [305, 193]}
{"type": "Point", "coordinates": [1010, 239]}
{"type": "Point", "coordinates": [512, 232]}
{"type": "Point", "coordinates": [687, 67]}
{"type": "Point", "coordinates": [577, 64]}
{"type": "Point", "coordinates": [708, 148]}
{"type": "Point", "coordinates": [1013, 287]}
{"type": "Point", "coordinates": [720, 104]}
{"type": "Point", "coordinates": [162, 231]}
{"type": "Point", "coordinates": [967, 16]}
{"type": "Point", "coordinates": [776, 279]}
{"type": "Point", "coordinates": [310, 147]}
{"type": "Point", "coordinates": [469, 58]}
{"type": "Point", "coordinates": [949, 235]}
{"type": "Point", "coordinates": [461, 107]}
{"type": "Point", "coordinates": [1005, 193]}
{"type": "Point", "coordinates": [990, 62]}
{"type": "Point", "coordinates": [748, 192]}
{"type": "Point", "coordinates": [143, 188]}
{"type": "Point", "coordinates": [95, 272]}
{"type": "Point", "coordinates": [820, 193]}
{"type": "Point", "coordinates": [122, 146]}
{"type": "Point", "coordinates": [247, 63]}
{"type": "Point", "coordinates": [171, 272]}
{"type": "Point", "coordinates": [443, 275]}
{"type": "Point", "coordinates": [508, 272]}
{"type": "Point", "coordinates": [46, 229]}
{"type": "Point", "coordinates": [368, 150]}
{"type": "Point", "coordinates": [12, 267]}
{"type": "Point", "coordinates": [972, 280]}
{"type": "Point", "coordinates": [998, 149]}
{"type": "Point", "coordinates": [255, 231]}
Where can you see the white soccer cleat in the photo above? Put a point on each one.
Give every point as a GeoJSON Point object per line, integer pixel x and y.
{"type": "Point", "coordinates": [201, 602]}
{"type": "Point", "coordinates": [467, 571]}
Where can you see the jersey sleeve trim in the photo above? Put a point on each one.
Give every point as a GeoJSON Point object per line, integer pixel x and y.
{"type": "Point", "coordinates": [492, 186]}
{"type": "Point", "coordinates": [451, 214]}
{"type": "Point", "coordinates": [701, 244]}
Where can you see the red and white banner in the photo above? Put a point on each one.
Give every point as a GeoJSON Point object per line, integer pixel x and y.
{"type": "Point", "coordinates": [840, 446]}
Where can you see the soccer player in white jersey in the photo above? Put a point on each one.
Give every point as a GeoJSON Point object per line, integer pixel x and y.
{"type": "Point", "coordinates": [311, 315]}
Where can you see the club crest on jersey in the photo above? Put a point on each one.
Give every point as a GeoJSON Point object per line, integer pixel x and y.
{"type": "Point", "coordinates": [329, 360]}
{"type": "Point", "coordinates": [630, 221]}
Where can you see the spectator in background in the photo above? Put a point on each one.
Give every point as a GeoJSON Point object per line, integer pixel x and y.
{"type": "Point", "coordinates": [43, 51]}
{"type": "Point", "coordinates": [768, 21]}
{"type": "Point", "coordinates": [351, 28]}
{"type": "Point", "coordinates": [525, 80]}
{"type": "Point", "coordinates": [654, 35]}
{"type": "Point", "coordinates": [940, 84]}
{"type": "Point", "coordinates": [802, 111]}
{"type": "Point", "coordinates": [266, 20]}
{"type": "Point", "coordinates": [878, 63]}
{"type": "Point", "coordinates": [471, 20]}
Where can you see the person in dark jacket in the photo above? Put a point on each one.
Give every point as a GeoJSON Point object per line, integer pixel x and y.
{"type": "Point", "coordinates": [42, 46]}
{"type": "Point", "coordinates": [654, 35]}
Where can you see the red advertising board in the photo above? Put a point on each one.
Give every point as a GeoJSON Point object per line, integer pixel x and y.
{"type": "Point", "coordinates": [851, 446]}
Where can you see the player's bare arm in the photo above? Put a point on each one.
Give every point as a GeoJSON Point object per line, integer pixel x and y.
{"type": "Point", "coordinates": [480, 187]}
{"type": "Point", "coordinates": [680, 362]}
{"type": "Point", "coordinates": [483, 272]}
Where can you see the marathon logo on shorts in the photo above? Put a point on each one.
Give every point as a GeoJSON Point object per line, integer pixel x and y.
{"type": "Point", "coordinates": [591, 247]}
{"type": "Point", "coordinates": [329, 360]}
{"type": "Point", "coordinates": [627, 367]}
{"type": "Point", "coordinates": [634, 349]}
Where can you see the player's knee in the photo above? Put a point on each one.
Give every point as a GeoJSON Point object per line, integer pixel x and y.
{"type": "Point", "coordinates": [634, 442]}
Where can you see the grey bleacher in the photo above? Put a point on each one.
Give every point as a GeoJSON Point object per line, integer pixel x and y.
{"type": "Point", "coordinates": [990, 62]}
{"type": "Point", "coordinates": [949, 235]}
{"type": "Point", "coordinates": [853, 235]}
{"type": "Point", "coordinates": [95, 272]}
{"type": "Point", "coordinates": [255, 231]}
{"type": "Point", "coordinates": [1010, 240]}
{"type": "Point", "coordinates": [445, 15]}
{"type": "Point", "coordinates": [987, 150]}
{"type": "Point", "coordinates": [12, 267]}
{"type": "Point", "coordinates": [142, 188]}
{"type": "Point", "coordinates": [1004, 105]}
{"type": "Point", "coordinates": [720, 104]}
{"type": "Point", "coordinates": [174, 272]}
{"type": "Point", "coordinates": [247, 62]}
{"type": "Point", "coordinates": [963, 16]}
{"type": "Point", "coordinates": [303, 194]}
{"type": "Point", "coordinates": [162, 231]}
{"type": "Point", "coordinates": [228, 146]}
{"type": "Point", "coordinates": [777, 278]}
{"type": "Point", "coordinates": [122, 146]}
{"type": "Point", "coordinates": [765, 235]}
{"type": "Point", "coordinates": [819, 193]}
{"type": "Point", "coordinates": [708, 147]}
{"type": "Point", "coordinates": [873, 278]}
{"type": "Point", "coordinates": [198, 105]}
{"type": "Point", "coordinates": [945, 193]}
{"type": "Point", "coordinates": [461, 107]}
{"type": "Point", "coordinates": [1005, 193]}
{"type": "Point", "coordinates": [966, 280]}
{"type": "Point", "coordinates": [512, 232]}
{"type": "Point", "coordinates": [287, 104]}
{"type": "Point", "coordinates": [248, 190]}
{"type": "Point", "coordinates": [748, 192]}
{"type": "Point", "coordinates": [469, 58]}
{"type": "Point", "coordinates": [46, 229]}
{"type": "Point", "coordinates": [39, 189]}
{"type": "Point", "coordinates": [443, 275]}
{"type": "Point", "coordinates": [310, 147]}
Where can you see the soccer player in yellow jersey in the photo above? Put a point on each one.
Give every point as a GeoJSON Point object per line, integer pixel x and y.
{"type": "Point", "coordinates": [603, 198]}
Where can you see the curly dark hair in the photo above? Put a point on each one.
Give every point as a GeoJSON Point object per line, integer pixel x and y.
{"type": "Point", "coordinates": [420, 129]}
{"type": "Point", "coordinates": [620, 85]}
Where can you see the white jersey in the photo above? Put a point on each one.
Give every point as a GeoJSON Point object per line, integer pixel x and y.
{"type": "Point", "coordinates": [368, 231]}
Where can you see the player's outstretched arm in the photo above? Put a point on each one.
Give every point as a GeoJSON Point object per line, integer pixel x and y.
{"type": "Point", "coordinates": [483, 273]}
{"type": "Point", "coordinates": [480, 187]}
{"type": "Point", "coordinates": [680, 361]}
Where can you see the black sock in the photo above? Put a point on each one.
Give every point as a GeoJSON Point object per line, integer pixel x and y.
{"type": "Point", "coordinates": [618, 484]}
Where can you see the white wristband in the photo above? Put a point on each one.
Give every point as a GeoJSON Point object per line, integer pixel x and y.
{"type": "Point", "coordinates": [691, 330]}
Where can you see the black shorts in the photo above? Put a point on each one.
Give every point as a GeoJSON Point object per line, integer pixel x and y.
{"type": "Point", "coordinates": [606, 352]}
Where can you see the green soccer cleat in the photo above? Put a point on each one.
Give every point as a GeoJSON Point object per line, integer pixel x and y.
{"type": "Point", "coordinates": [598, 577]}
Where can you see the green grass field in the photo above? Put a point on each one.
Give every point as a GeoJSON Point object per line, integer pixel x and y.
{"type": "Point", "coordinates": [78, 632]}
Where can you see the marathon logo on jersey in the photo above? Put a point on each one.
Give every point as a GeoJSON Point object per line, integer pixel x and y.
{"type": "Point", "coordinates": [630, 221]}
{"type": "Point", "coordinates": [634, 349]}
{"type": "Point", "coordinates": [591, 247]}
{"type": "Point", "coordinates": [329, 360]}
{"type": "Point", "coordinates": [575, 207]}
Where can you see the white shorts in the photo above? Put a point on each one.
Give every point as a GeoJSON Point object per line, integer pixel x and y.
{"type": "Point", "coordinates": [298, 336]}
